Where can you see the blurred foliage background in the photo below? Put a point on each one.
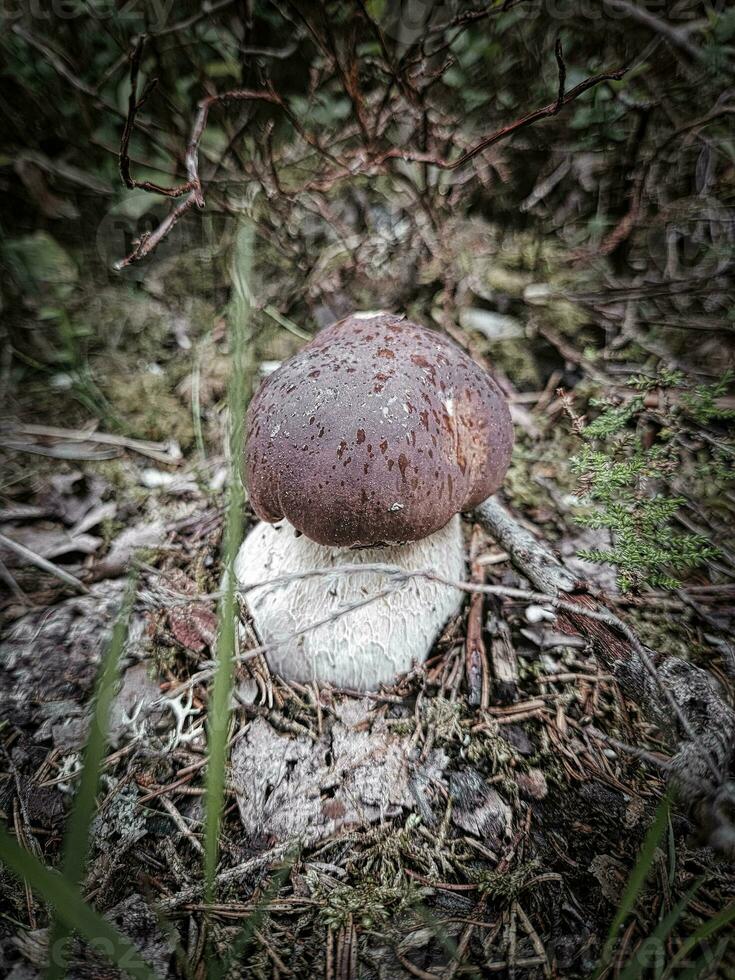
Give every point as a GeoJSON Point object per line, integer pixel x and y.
{"type": "Point", "coordinates": [587, 260]}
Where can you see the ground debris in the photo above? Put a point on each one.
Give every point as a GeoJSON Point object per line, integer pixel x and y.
{"type": "Point", "coordinates": [478, 808]}
{"type": "Point", "coordinates": [358, 772]}
{"type": "Point", "coordinates": [132, 917]}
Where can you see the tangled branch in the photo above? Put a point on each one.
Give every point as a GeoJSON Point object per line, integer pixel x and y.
{"type": "Point", "coordinates": [369, 157]}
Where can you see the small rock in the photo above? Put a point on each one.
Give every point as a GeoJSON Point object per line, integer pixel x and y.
{"type": "Point", "coordinates": [538, 293]}
{"type": "Point", "coordinates": [153, 478]}
{"type": "Point", "coordinates": [478, 808]}
{"type": "Point", "coordinates": [494, 326]}
{"type": "Point", "coordinates": [538, 614]}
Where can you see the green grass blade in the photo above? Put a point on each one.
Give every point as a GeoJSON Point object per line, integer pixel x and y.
{"type": "Point", "coordinates": [705, 931]}
{"type": "Point", "coordinates": [218, 714]}
{"type": "Point", "coordinates": [660, 934]}
{"type": "Point", "coordinates": [706, 964]}
{"type": "Point", "coordinates": [672, 853]}
{"type": "Point", "coordinates": [76, 840]}
{"type": "Point", "coordinates": [636, 881]}
{"type": "Point", "coordinates": [72, 910]}
{"type": "Point", "coordinates": [196, 404]}
{"type": "Point", "coordinates": [289, 325]}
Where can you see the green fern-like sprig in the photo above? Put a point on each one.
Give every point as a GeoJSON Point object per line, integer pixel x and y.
{"type": "Point", "coordinates": [625, 482]}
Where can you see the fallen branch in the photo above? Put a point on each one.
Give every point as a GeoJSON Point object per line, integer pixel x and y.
{"type": "Point", "coordinates": [680, 698]}
{"type": "Point", "coordinates": [476, 663]}
{"type": "Point", "coordinates": [192, 188]}
{"type": "Point", "coordinates": [158, 451]}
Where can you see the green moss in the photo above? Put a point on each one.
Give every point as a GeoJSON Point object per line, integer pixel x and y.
{"type": "Point", "coordinates": [505, 885]}
{"type": "Point", "coordinates": [123, 477]}
{"type": "Point", "coordinates": [490, 749]}
{"type": "Point", "coordinates": [508, 281]}
{"type": "Point", "coordinates": [667, 634]}
{"type": "Point", "coordinates": [515, 357]}
{"type": "Point", "coordinates": [533, 462]}
{"type": "Point", "coordinates": [122, 318]}
{"type": "Point", "coordinates": [367, 903]}
{"type": "Point", "coordinates": [443, 718]}
{"type": "Point", "coordinates": [565, 316]}
{"type": "Point", "coordinates": [150, 410]}
{"type": "Point", "coordinates": [196, 272]}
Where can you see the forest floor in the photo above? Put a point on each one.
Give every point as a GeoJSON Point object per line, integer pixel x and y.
{"type": "Point", "coordinates": [442, 837]}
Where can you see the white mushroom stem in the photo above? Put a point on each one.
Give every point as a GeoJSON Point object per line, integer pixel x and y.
{"type": "Point", "coordinates": [354, 630]}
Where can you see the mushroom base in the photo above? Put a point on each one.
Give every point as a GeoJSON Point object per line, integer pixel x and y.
{"type": "Point", "coordinates": [361, 647]}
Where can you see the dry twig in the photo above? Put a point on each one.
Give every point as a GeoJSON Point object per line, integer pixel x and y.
{"type": "Point", "coordinates": [367, 158]}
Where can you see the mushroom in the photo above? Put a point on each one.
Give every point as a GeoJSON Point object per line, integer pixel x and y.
{"type": "Point", "coordinates": [363, 449]}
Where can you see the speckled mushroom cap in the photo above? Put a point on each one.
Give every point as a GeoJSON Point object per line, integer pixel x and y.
{"type": "Point", "coordinates": [377, 432]}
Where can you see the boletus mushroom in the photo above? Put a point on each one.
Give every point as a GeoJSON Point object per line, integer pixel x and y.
{"type": "Point", "coordinates": [363, 449]}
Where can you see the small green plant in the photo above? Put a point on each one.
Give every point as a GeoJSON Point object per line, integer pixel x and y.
{"type": "Point", "coordinates": [659, 955]}
{"type": "Point", "coordinates": [631, 468]}
{"type": "Point", "coordinates": [369, 903]}
{"type": "Point", "coordinates": [702, 402]}
{"type": "Point", "coordinates": [505, 885]}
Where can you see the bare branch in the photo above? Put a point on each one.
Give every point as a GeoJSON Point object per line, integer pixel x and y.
{"type": "Point", "coordinates": [40, 562]}
{"type": "Point", "coordinates": [147, 242]}
{"type": "Point", "coordinates": [207, 10]}
{"type": "Point", "coordinates": [562, 69]}
{"type": "Point", "coordinates": [502, 134]}
{"type": "Point", "coordinates": [192, 187]}
{"type": "Point", "coordinates": [365, 159]}
{"type": "Point", "coordinates": [134, 104]}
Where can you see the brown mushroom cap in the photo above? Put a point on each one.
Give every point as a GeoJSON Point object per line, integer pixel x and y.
{"type": "Point", "coordinates": [377, 432]}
